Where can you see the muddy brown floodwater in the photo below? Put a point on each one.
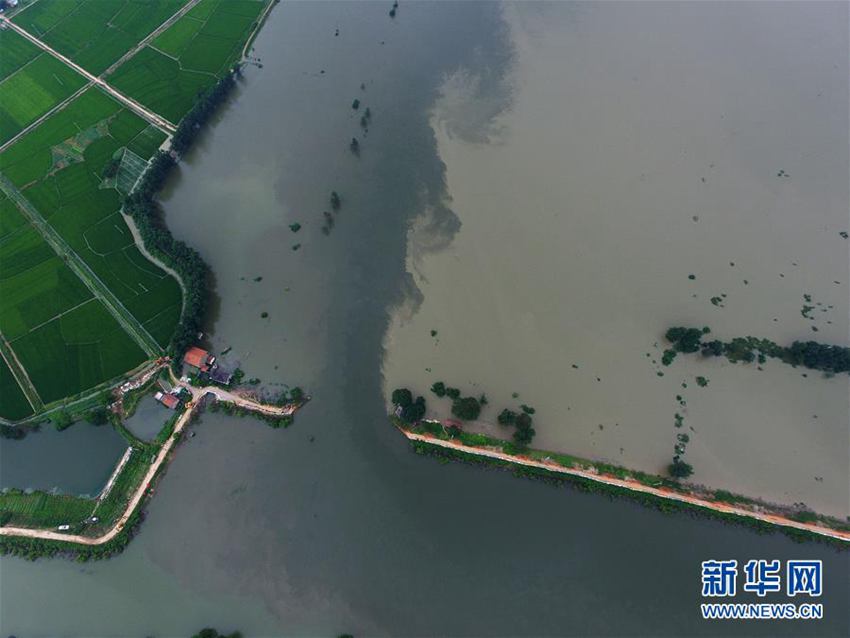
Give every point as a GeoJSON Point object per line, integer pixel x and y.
{"type": "Point", "coordinates": [627, 148]}
{"type": "Point", "coordinates": [334, 525]}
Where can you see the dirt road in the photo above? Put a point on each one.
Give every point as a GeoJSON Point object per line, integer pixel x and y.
{"type": "Point", "coordinates": [161, 457]}
{"type": "Point", "coordinates": [634, 486]}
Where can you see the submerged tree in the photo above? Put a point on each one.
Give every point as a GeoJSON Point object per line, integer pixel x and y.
{"type": "Point", "coordinates": [685, 339]}
{"type": "Point", "coordinates": [467, 408]}
{"type": "Point", "coordinates": [415, 411]}
{"type": "Point", "coordinates": [402, 397]}
{"type": "Point", "coordinates": [523, 421]}
{"type": "Point", "coordinates": [679, 469]}
{"type": "Point", "coordinates": [524, 436]}
{"type": "Point", "coordinates": [506, 417]}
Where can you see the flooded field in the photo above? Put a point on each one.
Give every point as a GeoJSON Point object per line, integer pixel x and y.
{"type": "Point", "coordinates": [643, 166]}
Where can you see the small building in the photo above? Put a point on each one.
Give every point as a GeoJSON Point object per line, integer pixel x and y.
{"type": "Point", "coordinates": [170, 401]}
{"type": "Point", "coordinates": [199, 359]}
{"type": "Point", "coordinates": [221, 376]}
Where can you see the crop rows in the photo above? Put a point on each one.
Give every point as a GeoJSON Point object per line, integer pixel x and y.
{"type": "Point", "coordinates": [189, 57]}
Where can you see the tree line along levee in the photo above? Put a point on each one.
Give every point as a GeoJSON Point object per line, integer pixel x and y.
{"type": "Point", "coordinates": [63, 184]}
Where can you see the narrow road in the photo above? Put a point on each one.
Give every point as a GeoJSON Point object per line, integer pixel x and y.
{"type": "Point", "coordinates": [124, 317]}
{"type": "Point", "coordinates": [150, 475]}
{"type": "Point", "coordinates": [130, 103]}
{"type": "Point", "coordinates": [227, 396]}
{"type": "Point", "coordinates": [260, 21]}
{"type": "Point", "coordinates": [633, 486]}
{"type": "Point", "coordinates": [135, 499]}
{"type": "Point", "coordinates": [140, 244]}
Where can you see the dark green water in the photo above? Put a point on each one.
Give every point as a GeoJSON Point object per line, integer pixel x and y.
{"type": "Point", "coordinates": [148, 419]}
{"type": "Point", "coordinates": [78, 460]}
{"type": "Point", "coordinates": [335, 525]}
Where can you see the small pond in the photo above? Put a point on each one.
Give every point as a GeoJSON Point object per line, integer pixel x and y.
{"type": "Point", "coordinates": [78, 460]}
{"type": "Point", "coordinates": [148, 419]}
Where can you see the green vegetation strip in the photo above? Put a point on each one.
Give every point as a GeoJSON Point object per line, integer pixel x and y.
{"type": "Point", "coordinates": [143, 208]}
{"type": "Point", "coordinates": [834, 530]}
{"type": "Point", "coordinates": [829, 359]}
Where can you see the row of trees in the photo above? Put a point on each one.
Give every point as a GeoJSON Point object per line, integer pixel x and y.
{"type": "Point", "coordinates": [818, 356]}
{"type": "Point", "coordinates": [204, 108]}
{"type": "Point", "coordinates": [810, 354]}
{"type": "Point", "coordinates": [142, 207]}
{"type": "Point", "coordinates": [194, 272]}
{"type": "Point", "coordinates": [686, 339]}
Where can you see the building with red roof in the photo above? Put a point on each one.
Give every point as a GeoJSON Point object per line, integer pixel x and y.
{"type": "Point", "coordinates": [170, 401]}
{"type": "Point", "coordinates": [199, 359]}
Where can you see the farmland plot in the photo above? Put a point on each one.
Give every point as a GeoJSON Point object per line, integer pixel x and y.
{"type": "Point", "coordinates": [59, 168]}
{"type": "Point", "coordinates": [189, 57]}
{"type": "Point", "coordinates": [32, 90]}
{"type": "Point", "coordinates": [13, 403]}
{"type": "Point", "coordinates": [17, 51]}
{"type": "Point", "coordinates": [95, 33]}
{"type": "Point", "coordinates": [76, 351]}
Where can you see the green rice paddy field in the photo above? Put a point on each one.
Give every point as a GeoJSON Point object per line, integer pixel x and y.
{"type": "Point", "coordinates": [95, 33]}
{"type": "Point", "coordinates": [32, 83]}
{"type": "Point", "coordinates": [17, 51]}
{"type": "Point", "coordinates": [58, 168]}
{"type": "Point", "coordinates": [13, 403]}
{"type": "Point", "coordinates": [60, 332]}
{"type": "Point", "coordinates": [77, 351]}
{"type": "Point", "coordinates": [35, 284]}
{"type": "Point", "coordinates": [189, 57]}
{"type": "Point", "coordinates": [66, 340]}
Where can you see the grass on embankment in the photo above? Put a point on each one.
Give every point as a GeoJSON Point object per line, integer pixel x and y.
{"type": "Point", "coordinates": [40, 509]}
{"type": "Point", "coordinates": [660, 503]}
